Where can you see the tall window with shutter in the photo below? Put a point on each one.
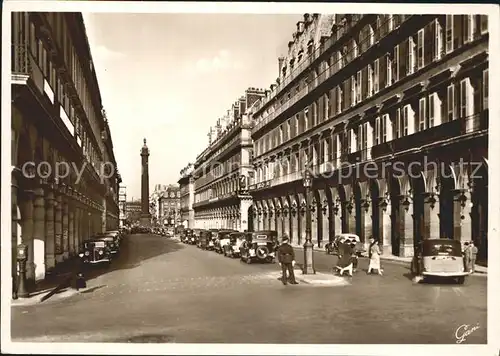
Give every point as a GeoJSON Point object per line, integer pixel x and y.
{"type": "Point", "coordinates": [422, 115]}
{"type": "Point", "coordinates": [397, 126]}
{"type": "Point", "coordinates": [484, 24]}
{"type": "Point", "coordinates": [449, 33]}
{"type": "Point", "coordinates": [438, 40]}
{"type": "Point", "coordinates": [280, 137]}
{"type": "Point", "coordinates": [383, 127]}
{"type": "Point", "coordinates": [383, 72]}
{"type": "Point", "coordinates": [314, 114]}
{"type": "Point", "coordinates": [306, 118]}
{"type": "Point", "coordinates": [353, 90]}
{"type": "Point", "coordinates": [431, 110]}
{"type": "Point", "coordinates": [364, 136]}
{"type": "Point", "coordinates": [369, 75]}
{"type": "Point", "coordinates": [354, 50]}
{"type": "Point", "coordinates": [420, 49]}
{"type": "Point", "coordinates": [395, 64]}
{"type": "Point", "coordinates": [359, 82]}
{"type": "Point", "coordinates": [339, 99]}
{"type": "Point", "coordinates": [464, 98]}
{"type": "Point", "coordinates": [389, 71]}
{"type": "Point", "coordinates": [485, 89]}
{"type": "Point", "coordinates": [299, 124]}
{"type": "Point", "coordinates": [340, 60]}
{"type": "Point", "coordinates": [326, 100]}
{"type": "Point", "coordinates": [377, 131]}
{"type": "Point", "coordinates": [376, 76]}
{"type": "Point", "coordinates": [371, 35]}
{"type": "Point", "coordinates": [450, 102]}
{"type": "Point", "coordinates": [410, 65]}
{"type": "Point", "coordinates": [321, 109]}
{"type": "Point", "coordinates": [403, 54]}
{"type": "Point", "coordinates": [346, 90]}
{"type": "Point", "coordinates": [458, 34]}
{"type": "Point", "coordinates": [404, 120]}
{"type": "Point", "coordinates": [468, 27]}
{"type": "Point", "coordinates": [333, 101]}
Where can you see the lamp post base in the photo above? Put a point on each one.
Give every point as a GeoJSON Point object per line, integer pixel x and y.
{"type": "Point", "coordinates": [308, 267]}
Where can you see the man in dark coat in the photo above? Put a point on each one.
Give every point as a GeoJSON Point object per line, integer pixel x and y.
{"type": "Point", "coordinates": [286, 259]}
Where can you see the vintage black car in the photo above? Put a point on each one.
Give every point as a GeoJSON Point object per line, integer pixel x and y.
{"type": "Point", "coordinates": [204, 240]}
{"type": "Point", "coordinates": [186, 235]}
{"type": "Point", "coordinates": [221, 238]}
{"type": "Point", "coordinates": [96, 251]}
{"type": "Point", "coordinates": [259, 246]}
{"type": "Point", "coordinates": [117, 234]}
{"type": "Point", "coordinates": [232, 248]}
{"type": "Point", "coordinates": [112, 240]}
{"type": "Point", "coordinates": [332, 247]}
{"type": "Point", "coordinates": [439, 258]}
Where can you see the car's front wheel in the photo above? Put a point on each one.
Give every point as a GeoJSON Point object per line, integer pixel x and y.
{"type": "Point", "coordinates": [461, 280]}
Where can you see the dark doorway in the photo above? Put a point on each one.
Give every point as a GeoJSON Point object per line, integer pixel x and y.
{"type": "Point", "coordinates": [446, 207]}
{"type": "Point", "coordinates": [418, 188]}
{"type": "Point", "coordinates": [360, 216]}
{"type": "Point", "coordinates": [375, 195]}
{"type": "Point", "coordinates": [343, 209]}
{"type": "Point", "coordinates": [329, 216]}
{"type": "Point", "coordinates": [395, 193]}
{"type": "Point", "coordinates": [319, 217]}
{"type": "Point", "coordinates": [250, 218]}
{"type": "Point", "coordinates": [479, 212]}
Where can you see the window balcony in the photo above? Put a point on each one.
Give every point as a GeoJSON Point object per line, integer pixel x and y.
{"type": "Point", "coordinates": [443, 132]}
{"type": "Point", "coordinates": [307, 61]}
{"type": "Point", "coordinates": [25, 70]}
{"type": "Point", "coordinates": [329, 72]}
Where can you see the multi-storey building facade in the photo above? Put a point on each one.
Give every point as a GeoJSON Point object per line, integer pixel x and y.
{"type": "Point", "coordinates": [186, 187]}
{"type": "Point", "coordinates": [221, 171]}
{"type": "Point", "coordinates": [165, 204]}
{"type": "Point", "coordinates": [133, 211]}
{"type": "Point", "coordinates": [122, 204]}
{"type": "Point", "coordinates": [57, 120]}
{"type": "Point", "coordinates": [390, 114]}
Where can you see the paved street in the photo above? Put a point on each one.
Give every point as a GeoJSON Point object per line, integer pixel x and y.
{"type": "Point", "coordinates": [160, 290]}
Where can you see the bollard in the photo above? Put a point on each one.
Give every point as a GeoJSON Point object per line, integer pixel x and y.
{"type": "Point", "coordinates": [22, 256]}
{"type": "Point", "coordinates": [80, 282]}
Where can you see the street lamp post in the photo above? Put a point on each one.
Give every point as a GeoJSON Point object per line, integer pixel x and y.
{"type": "Point", "coordinates": [308, 267]}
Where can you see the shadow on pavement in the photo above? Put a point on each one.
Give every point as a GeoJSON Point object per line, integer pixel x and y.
{"type": "Point", "coordinates": [147, 338]}
{"type": "Point", "coordinates": [134, 250]}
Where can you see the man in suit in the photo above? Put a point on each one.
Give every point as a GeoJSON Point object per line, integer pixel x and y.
{"type": "Point", "coordinates": [286, 259]}
{"type": "Point", "coordinates": [473, 256]}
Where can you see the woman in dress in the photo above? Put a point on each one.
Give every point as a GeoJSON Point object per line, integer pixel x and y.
{"type": "Point", "coordinates": [374, 254]}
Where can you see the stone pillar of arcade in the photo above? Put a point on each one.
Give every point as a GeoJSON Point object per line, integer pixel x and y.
{"type": "Point", "coordinates": [38, 245]}
{"type": "Point", "coordinates": [26, 206]}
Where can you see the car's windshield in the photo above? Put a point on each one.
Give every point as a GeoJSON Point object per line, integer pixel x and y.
{"type": "Point", "coordinates": [441, 249]}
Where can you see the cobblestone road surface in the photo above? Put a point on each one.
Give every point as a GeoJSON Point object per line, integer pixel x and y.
{"type": "Point", "coordinates": [160, 290]}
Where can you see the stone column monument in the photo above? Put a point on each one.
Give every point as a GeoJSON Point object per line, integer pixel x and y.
{"type": "Point", "coordinates": [145, 215]}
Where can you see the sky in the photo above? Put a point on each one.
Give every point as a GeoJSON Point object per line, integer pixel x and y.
{"type": "Point", "coordinates": [169, 77]}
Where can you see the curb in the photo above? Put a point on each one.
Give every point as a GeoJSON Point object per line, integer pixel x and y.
{"type": "Point", "coordinates": [384, 258]}
{"type": "Point", "coordinates": [37, 299]}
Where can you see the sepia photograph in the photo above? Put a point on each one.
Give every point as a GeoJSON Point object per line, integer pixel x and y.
{"type": "Point", "coordinates": [215, 178]}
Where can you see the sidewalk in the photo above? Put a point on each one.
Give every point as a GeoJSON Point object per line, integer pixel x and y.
{"type": "Point", "coordinates": [396, 259]}
{"type": "Point", "coordinates": [60, 274]}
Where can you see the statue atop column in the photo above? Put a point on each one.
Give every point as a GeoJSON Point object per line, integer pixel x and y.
{"type": "Point", "coordinates": [145, 215]}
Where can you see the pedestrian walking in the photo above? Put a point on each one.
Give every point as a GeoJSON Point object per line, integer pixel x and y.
{"type": "Point", "coordinates": [473, 256]}
{"type": "Point", "coordinates": [345, 261]}
{"type": "Point", "coordinates": [467, 257]}
{"type": "Point", "coordinates": [374, 253]}
{"type": "Point", "coordinates": [286, 259]}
